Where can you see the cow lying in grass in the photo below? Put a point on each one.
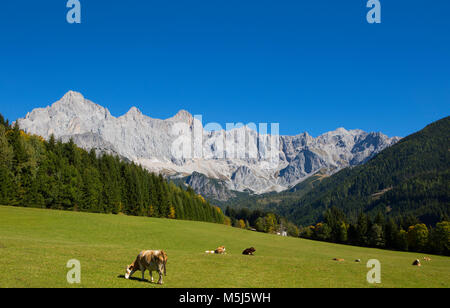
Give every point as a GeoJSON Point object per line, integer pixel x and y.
{"type": "Point", "coordinates": [151, 260]}
{"type": "Point", "coordinates": [417, 263]}
{"type": "Point", "coordinates": [219, 250]}
{"type": "Point", "coordinates": [249, 251]}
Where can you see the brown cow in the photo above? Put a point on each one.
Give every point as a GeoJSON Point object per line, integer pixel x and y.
{"type": "Point", "coordinates": [219, 250]}
{"type": "Point", "coordinates": [151, 260]}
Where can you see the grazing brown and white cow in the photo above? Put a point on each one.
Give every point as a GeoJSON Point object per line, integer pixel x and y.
{"type": "Point", "coordinates": [151, 260]}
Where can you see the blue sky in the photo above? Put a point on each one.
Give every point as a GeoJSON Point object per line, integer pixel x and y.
{"type": "Point", "coordinates": [309, 65]}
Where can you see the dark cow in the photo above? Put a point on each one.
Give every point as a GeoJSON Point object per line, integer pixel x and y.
{"type": "Point", "coordinates": [249, 251]}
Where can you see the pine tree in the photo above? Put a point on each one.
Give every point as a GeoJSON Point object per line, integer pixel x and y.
{"type": "Point", "coordinates": [375, 237]}
{"type": "Point", "coordinates": [361, 230]}
{"type": "Point", "coordinates": [417, 237]}
{"type": "Point", "coordinates": [440, 238]}
{"type": "Point", "coordinates": [6, 162]}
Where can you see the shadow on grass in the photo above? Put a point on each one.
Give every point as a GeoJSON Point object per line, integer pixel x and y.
{"type": "Point", "coordinates": [135, 279]}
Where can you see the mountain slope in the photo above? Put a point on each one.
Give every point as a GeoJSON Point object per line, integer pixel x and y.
{"type": "Point", "coordinates": [213, 189]}
{"type": "Point", "coordinates": [241, 159]}
{"type": "Point", "coordinates": [274, 200]}
{"type": "Point", "coordinates": [411, 177]}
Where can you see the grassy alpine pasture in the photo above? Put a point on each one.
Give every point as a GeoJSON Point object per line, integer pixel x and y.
{"type": "Point", "coordinates": [36, 244]}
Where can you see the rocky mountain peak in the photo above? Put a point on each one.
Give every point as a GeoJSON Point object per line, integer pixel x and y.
{"type": "Point", "coordinates": [148, 142]}
{"type": "Point", "coordinates": [72, 94]}
{"type": "Point", "coordinates": [182, 116]}
{"type": "Point", "coordinates": [133, 112]}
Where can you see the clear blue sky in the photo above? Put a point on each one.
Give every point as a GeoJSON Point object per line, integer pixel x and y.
{"type": "Point", "coordinates": [309, 65]}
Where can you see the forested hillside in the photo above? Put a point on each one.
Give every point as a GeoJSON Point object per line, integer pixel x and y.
{"type": "Point", "coordinates": [56, 175]}
{"type": "Point", "coordinates": [273, 201]}
{"type": "Point", "coordinates": [411, 178]}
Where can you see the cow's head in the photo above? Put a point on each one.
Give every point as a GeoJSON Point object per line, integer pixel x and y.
{"type": "Point", "coordinates": [130, 270]}
{"type": "Point", "coordinates": [163, 259]}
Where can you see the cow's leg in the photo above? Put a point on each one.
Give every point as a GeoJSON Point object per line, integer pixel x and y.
{"type": "Point", "coordinates": [160, 272]}
{"type": "Point", "coordinates": [143, 273]}
{"type": "Point", "coordinates": [151, 275]}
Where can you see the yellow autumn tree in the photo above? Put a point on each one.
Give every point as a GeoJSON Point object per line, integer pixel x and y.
{"type": "Point", "coordinates": [172, 212]}
{"type": "Point", "coordinates": [241, 224]}
{"type": "Point", "coordinates": [227, 221]}
{"type": "Point", "coordinates": [270, 223]}
{"type": "Point", "coordinates": [201, 198]}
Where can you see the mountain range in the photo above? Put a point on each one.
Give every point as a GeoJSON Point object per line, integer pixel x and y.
{"type": "Point", "coordinates": [227, 163]}
{"type": "Point", "coordinates": [409, 179]}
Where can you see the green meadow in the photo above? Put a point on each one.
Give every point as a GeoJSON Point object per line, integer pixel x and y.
{"type": "Point", "coordinates": [36, 244]}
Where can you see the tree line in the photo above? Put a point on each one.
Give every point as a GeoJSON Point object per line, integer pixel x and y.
{"type": "Point", "coordinates": [261, 221]}
{"type": "Point", "coordinates": [56, 175]}
{"type": "Point", "coordinates": [406, 233]}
